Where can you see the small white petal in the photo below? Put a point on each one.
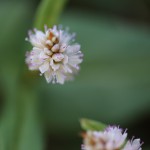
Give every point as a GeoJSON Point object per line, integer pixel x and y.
{"type": "Point", "coordinates": [47, 51]}
{"type": "Point", "coordinates": [74, 63]}
{"type": "Point", "coordinates": [63, 47]}
{"type": "Point", "coordinates": [73, 49]}
{"type": "Point", "coordinates": [43, 68]}
{"type": "Point", "coordinates": [54, 29]}
{"type": "Point", "coordinates": [133, 145]}
{"type": "Point", "coordinates": [60, 77]}
{"type": "Point", "coordinates": [43, 55]}
{"type": "Point", "coordinates": [45, 28]}
{"type": "Point", "coordinates": [65, 60]}
{"type": "Point", "coordinates": [47, 33]}
{"type": "Point", "coordinates": [36, 40]}
{"type": "Point", "coordinates": [48, 75]}
{"type": "Point", "coordinates": [67, 69]}
{"type": "Point", "coordinates": [40, 36]}
{"type": "Point", "coordinates": [36, 50]}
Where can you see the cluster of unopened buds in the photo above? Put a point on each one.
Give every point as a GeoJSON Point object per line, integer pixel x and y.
{"type": "Point", "coordinates": [112, 138]}
{"type": "Point", "coordinates": [54, 54]}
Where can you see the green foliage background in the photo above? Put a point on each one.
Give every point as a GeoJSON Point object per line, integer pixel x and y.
{"type": "Point", "coordinates": [113, 85]}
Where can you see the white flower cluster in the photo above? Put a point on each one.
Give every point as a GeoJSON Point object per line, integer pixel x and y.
{"type": "Point", "coordinates": [112, 138]}
{"type": "Point", "coordinates": [54, 54]}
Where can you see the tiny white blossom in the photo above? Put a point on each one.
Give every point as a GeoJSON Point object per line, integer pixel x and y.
{"type": "Point", "coordinates": [110, 139]}
{"type": "Point", "coordinates": [54, 54]}
{"type": "Point", "coordinates": [115, 136]}
{"type": "Point", "coordinates": [133, 145]}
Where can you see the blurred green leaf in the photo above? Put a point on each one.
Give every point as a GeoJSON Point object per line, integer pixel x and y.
{"type": "Point", "coordinates": [13, 30]}
{"type": "Point", "coordinates": [20, 127]}
{"type": "Point", "coordinates": [48, 13]}
{"type": "Point", "coordinates": [92, 125]}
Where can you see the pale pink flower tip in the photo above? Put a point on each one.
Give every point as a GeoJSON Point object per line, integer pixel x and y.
{"type": "Point", "coordinates": [54, 54]}
{"type": "Point", "coordinates": [112, 138]}
{"type": "Point", "coordinates": [133, 145]}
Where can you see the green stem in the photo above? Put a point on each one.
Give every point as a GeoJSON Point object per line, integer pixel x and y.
{"type": "Point", "coordinates": [48, 13]}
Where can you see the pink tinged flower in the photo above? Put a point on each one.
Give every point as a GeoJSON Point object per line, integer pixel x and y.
{"type": "Point", "coordinates": [110, 139]}
{"type": "Point", "coordinates": [115, 137]}
{"type": "Point", "coordinates": [133, 145]}
{"type": "Point", "coordinates": [54, 54]}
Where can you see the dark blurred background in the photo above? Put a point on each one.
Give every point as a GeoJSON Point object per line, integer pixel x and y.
{"type": "Point", "coordinates": [113, 85]}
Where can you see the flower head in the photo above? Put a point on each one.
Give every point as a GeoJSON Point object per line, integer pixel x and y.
{"type": "Point", "coordinates": [112, 138]}
{"type": "Point", "coordinates": [54, 54]}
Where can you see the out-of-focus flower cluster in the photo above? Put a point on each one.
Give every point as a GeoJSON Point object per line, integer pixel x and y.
{"type": "Point", "coordinates": [112, 138]}
{"type": "Point", "coordinates": [54, 54]}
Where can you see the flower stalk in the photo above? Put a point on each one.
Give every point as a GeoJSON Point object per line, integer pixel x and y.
{"type": "Point", "coordinates": [48, 13]}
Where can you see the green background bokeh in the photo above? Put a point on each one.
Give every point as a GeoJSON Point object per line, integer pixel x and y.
{"type": "Point", "coordinates": [113, 85]}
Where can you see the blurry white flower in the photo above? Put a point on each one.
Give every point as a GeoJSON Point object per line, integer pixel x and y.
{"type": "Point", "coordinates": [133, 145]}
{"type": "Point", "coordinates": [54, 54]}
{"type": "Point", "coordinates": [110, 139]}
{"type": "Point", "coordinates": [115, 137]}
